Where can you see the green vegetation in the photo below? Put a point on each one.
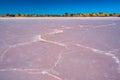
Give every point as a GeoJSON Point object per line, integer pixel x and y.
{"type": "Point", "coordinates": [100, 14]}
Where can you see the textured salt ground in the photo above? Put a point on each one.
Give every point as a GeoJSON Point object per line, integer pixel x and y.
{"type": "Point", "coordinates": [59, 49]}
{"type": "Point", "coordinates": [87, 65]}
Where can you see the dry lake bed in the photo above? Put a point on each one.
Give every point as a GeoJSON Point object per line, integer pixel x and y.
{"type": "Point", "coordinates": [60, 48]}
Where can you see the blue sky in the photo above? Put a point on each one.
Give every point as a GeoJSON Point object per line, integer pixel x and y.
{"type": "Point", "coordinates": [59, 6]}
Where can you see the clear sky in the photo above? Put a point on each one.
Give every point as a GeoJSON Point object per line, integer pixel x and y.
{"type": "Point", "coordinates": [59, 6]}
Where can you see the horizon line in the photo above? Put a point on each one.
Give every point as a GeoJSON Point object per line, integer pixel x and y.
{"type": "Point", "coordinates": [64, 13]}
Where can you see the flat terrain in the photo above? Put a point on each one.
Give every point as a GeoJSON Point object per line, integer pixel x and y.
{"type": "Point", "coordinates": [59, 48]}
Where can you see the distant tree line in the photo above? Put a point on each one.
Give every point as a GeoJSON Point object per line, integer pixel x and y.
{"type": "Point", "coordinates": [100, 14]}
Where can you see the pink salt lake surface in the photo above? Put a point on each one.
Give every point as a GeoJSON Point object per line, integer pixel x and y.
{"type": "Point", "coordinates": [59, 48]}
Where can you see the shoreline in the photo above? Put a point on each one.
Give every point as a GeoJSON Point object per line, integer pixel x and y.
{"type": "Point", "coordinates": [59, 18]}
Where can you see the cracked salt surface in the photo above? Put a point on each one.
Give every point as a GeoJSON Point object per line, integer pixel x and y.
{"type": "Point", "coordinates": [71, 50]}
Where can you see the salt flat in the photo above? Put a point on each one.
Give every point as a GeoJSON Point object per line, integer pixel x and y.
{"type": "Point", "coordinates": [60, 48]}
